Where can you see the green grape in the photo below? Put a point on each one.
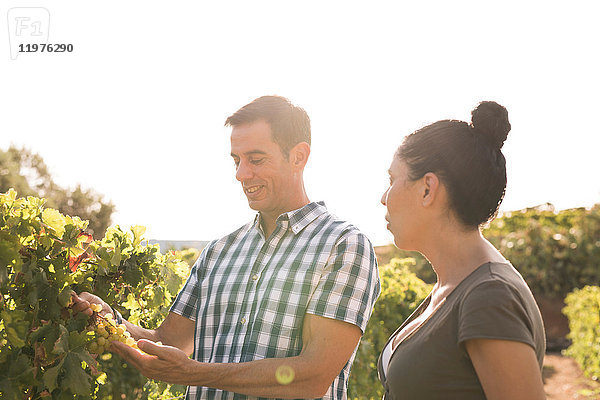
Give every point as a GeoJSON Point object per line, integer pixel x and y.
{"type": "Point", "coordinates": [93, 348]}
{"type": "Point", "coordinates": [96, 307]}
{"type": "Point", "coordinates": [107, 331]}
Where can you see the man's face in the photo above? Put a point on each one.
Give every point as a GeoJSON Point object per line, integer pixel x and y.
{"type": "Point", "coordinates": [265, 174]}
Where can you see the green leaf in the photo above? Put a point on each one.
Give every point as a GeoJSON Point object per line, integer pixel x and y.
{"type": "Point", "coordinates": [9, 390]}
{"type": "Point", "coordinates": [46, 242]}
{"type": "Point", "coordinates": [51, 376]}
{"type": "Point", "coordinates": [76, 379]}
{"type": "Point", "coordinates": [133, 274]}
{"type": "Point", "coordinates": [138, 233]}
{"type": "Point", "coordinates": [173, 283]}
{"type": "Point", "coordinates": [54, 220]}
{"type": "Point", "coordinates": [39, 333]}
{"type": "Point", "coordinates": [3, 274]}
{"type": "Point", "coordinates": [155, 297]}
{"type": "Point", "coordinates": [9, 256]}
{"type": "Point", "coordinates": [62, 343]}
{"type": "Point", "coordinates": [11, 195]}
{"type": "Point", "coordinates": [49, 307]}
{"type": "Point", "coordinates": [16, 326]}
{"type": "Point", "coordinates": [131, 303]}
{"type": "Point", "coordinates": [116, 258]}
{"type": "Point", "coordinates": [21, 371]}
{"type": "Point", "coordinates": [64, 298]}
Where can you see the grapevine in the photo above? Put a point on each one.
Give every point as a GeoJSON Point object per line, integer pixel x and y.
{"type": "Point", "coordinates": [46, 351]}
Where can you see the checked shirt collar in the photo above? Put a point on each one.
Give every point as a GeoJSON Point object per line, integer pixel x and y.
{"type": "Point", "coordinates": [298, 219]}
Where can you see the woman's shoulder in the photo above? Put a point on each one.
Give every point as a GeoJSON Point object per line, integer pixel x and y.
{"type": "Point", "coordinates": [493, 281]}
{"type": "Point", "coordinates": [494, 273]}
{"type": "Point", "coordinates": [496, 303]}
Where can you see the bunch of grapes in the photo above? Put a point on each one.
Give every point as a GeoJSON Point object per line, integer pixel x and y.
{"type": "Point", "coordinates": [107, 331]}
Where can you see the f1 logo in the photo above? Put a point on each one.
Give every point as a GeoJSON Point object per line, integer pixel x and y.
{"type": "Point", "coordinates": [27, 25]}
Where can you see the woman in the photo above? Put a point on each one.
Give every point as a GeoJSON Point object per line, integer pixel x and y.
{"type": "Point", "coordinates": [479, 333]}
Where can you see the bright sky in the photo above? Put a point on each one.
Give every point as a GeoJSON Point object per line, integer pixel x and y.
{"type": "Point", "coordinates": [136, 111]}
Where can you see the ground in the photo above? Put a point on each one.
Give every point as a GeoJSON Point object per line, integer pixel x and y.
{"type": "Point", "coordinates": [563, 380]}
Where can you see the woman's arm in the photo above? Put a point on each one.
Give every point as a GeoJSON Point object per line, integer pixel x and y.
{"type": "Point", "coordinates": [506, 369]}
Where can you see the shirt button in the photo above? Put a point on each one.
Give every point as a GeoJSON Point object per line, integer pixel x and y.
{"type": "Point", "coordinates": [255, 277]}
{"type": "Point", "coordinates": [243, 321]}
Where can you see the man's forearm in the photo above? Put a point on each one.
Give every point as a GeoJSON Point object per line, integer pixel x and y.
{"type": "Point", "coordinates": [328, 344]}
{"type": "Point", "coordinates": [292, 378]}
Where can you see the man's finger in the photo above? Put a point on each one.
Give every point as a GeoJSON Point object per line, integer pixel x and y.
{"type": "Point", "coordinates": [130, 354]}
{"type": "Point", "coordinates": [81, 305]}
{"type": "Point", "coordinates": [150, 347]}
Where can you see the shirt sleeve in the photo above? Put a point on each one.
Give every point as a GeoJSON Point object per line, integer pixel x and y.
{"type": "Point", "coordinates": [494, 310]}
{"type": "Point", "coordinates": [186, 303]}
{"type": "Point", "coordinates": [349, 284]}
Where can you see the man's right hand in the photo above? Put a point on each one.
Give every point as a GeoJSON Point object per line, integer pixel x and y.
{"type": "Point", "coordinates": [83, 301]}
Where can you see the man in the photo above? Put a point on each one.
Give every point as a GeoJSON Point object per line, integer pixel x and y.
{"type": "Point", "coordinates": [275, 309]}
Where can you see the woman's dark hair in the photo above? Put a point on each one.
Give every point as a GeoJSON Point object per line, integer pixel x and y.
{"type": "Point", "coordinates": [466, 157]}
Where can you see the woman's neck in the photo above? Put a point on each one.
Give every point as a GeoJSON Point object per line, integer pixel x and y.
{"type": "Point", "coordinates": [455, 253]}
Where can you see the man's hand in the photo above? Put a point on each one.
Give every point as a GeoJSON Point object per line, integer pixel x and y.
{"type": "Point", "coordinates": [175, 330]}
{"type": "Point", "coordinates": [83, 301]}
{"type": "Point", "coordinates": [327, 346]}
{"type": "Point", "coordinates": [156, 361]}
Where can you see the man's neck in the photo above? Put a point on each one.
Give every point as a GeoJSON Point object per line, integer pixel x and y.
{"type": "Point", "coordinates": [268, 221]}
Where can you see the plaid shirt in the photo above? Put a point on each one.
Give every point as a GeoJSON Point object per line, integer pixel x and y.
{"type": "Point", "coordinates": [248, 295]}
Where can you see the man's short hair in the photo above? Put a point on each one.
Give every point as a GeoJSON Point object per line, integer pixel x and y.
{"type": "Point", "coordinates": [289, 124]}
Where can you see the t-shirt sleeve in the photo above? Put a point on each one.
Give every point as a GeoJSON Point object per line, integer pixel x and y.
{"type": "Point", "coordinates": [494, 310]}
{"type": "Point", "coordinates": [349, 284]}
{"type": "Point", "coordinates": [186, 302]}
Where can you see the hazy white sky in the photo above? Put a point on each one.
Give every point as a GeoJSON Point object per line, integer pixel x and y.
{"type": "Point", "coordinates": [136, 111]}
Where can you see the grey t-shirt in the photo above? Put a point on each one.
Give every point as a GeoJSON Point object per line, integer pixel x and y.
{"type": "Point", "coordinates": [493, 302]}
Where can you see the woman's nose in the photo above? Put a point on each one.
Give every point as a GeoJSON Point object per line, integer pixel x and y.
{"type": "Point", "coordinates": [384, 197]}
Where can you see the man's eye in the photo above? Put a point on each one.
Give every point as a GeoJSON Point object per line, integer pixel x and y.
{"type": "Point", "coordinates": [257, 161]}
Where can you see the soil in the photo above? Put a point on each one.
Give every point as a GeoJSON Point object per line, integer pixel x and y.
{"type": "Point", "coordinates": [563, 380]}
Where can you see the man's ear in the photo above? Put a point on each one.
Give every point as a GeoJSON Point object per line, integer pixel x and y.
{"type": "Point", "coordinates": [299, 155]}
{"type": "Point", "coordinates": [431, 188]}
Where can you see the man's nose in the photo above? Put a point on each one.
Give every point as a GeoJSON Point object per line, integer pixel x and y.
{"type": "Point", "coordinates": [243, 172]}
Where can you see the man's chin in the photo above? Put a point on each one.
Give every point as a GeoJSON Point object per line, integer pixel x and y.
{"type": "Point", "coordinates": [254, 205]}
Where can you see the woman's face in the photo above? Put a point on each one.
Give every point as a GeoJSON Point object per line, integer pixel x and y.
{"type": "Point", "coordinates": [401, 200]}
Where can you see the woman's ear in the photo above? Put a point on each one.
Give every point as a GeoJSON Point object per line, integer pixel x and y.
{"type": "Point", "coordinates": [431, 187]}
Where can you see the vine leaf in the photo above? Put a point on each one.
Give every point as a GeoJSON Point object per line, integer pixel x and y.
{"type": "Point", "coordinates": [138, 233]}
{"type": "Point", "coordinates": [55, 220]}
{"type": "Point", "coordinates": [76, 378]}
{"type": "Point", "coordinates": [51, 376]}
{"type": "Point", "coordinates": [62, 343]}
{"type": "Point", "coordinates": [16, 326]}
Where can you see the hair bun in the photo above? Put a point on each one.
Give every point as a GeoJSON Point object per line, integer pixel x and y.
{"type": "Point", "coordinates": [490, 119]}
